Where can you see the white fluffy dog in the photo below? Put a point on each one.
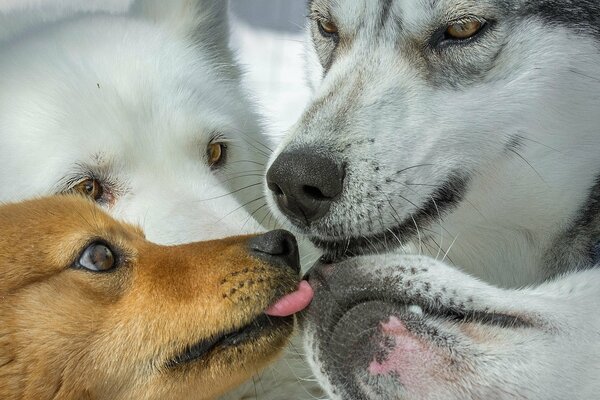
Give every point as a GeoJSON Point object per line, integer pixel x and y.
{"type": "Point", "coordinates": [142, 112]}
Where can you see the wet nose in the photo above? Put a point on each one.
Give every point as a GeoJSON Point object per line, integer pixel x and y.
{"type": "Point", "coordinates": [277, 247]}
{"type": "Point", "coordinates": [305, 183]}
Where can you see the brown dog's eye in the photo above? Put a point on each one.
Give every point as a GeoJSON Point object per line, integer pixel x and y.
{"type": "Point", "coordinates": [464, 29]}
{"type": "Point", "coordinates": [216, 154]}
{"type": "Point", "coordinates": [97, 258]}
{"type": "Point", "coordinates": [328, 27]}
{"type": "Point", "coordinates": [91, 188]}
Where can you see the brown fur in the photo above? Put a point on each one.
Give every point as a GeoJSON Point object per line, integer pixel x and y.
{"type": "Point", "coordinates": [68, 333]}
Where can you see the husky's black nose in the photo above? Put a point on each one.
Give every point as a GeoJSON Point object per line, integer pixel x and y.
{"type": "Point", "coordinates": [277, 247]}
{"type": "Point", "coordinates": [305, 183]}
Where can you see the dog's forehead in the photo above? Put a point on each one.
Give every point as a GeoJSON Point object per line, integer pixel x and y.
{"type": "Point", "coordinates": [582, 15]}
{"type": "Point", "coordinates": [358, 13]}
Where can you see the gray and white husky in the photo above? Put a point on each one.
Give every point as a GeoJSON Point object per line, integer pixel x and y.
{"type": "Point", "coordinates": [463, 132]}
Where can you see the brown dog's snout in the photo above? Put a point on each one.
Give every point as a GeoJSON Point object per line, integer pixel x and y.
{"type": "Point", "coordinates": [276, 247]}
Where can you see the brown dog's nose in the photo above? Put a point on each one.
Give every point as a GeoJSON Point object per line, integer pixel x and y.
{"type": "Point", "coordinates": [277, 247]}
{"type": "Point", "coordinates": [305, 183]}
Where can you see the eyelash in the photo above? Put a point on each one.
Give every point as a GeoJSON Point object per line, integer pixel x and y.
{"type": "Point", "coordinates": [109, 186]}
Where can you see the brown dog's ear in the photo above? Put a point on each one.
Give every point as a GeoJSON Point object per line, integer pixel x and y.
{"type": "Point", "coordinates": [205, 21]}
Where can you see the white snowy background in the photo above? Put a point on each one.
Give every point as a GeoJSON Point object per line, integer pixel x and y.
{"type": "Point", "coordinates": [268, 38]}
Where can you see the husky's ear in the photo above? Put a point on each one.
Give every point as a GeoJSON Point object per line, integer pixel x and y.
{"type": "Point", "coordinates": [204, 21]}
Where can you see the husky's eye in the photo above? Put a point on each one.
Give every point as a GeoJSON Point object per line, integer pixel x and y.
{"type": "Point", "coordinates": [464, 29]}
{"type": "Point", "coordinates": [97, 258]}
{"type": "Point", "coordinates": [216, 153]}
{"type": "Point", "coordinates": [327, 28]}
{"type": "Point", "coordinates": [91, 188]}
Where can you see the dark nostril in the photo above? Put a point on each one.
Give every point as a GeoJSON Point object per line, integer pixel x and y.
{"type": "Point", "coordinates": [276, 247]}
{"type": "Point", "coordinates": [273, 187]}
{"type": "Point", "coordinates": [314, 193]}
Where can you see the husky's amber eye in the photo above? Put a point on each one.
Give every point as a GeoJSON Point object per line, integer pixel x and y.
{"type": "Point", "coordinates": [464, 29]}
{"type": "Point", "coordinates": [91, 188]}
{"type": "Point", "coordinates": [328, 27]}
{"type": "Point", "coordinates": [216, 154]}
{"type": "Point", "coordinates": [97, 258]}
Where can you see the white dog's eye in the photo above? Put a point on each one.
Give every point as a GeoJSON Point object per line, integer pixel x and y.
{"type": "Point", "coordinates": [464, 29]}
{"type": "Point", "coordinates": [216, 153]}
{"type": "Point", "coordinates": [97, 258]}
{"type": "Point", "coordinates": [91, 188]}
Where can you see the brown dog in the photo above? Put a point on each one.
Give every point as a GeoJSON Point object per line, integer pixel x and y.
{"type": "Point", "coordinates": [90, 310]}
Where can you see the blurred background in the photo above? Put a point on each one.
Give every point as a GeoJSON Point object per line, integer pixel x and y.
{"type": "Point", "coordinates": [268, 38]}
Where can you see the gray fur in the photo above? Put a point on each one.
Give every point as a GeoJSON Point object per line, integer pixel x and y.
{"type": "Point", "coordinates": [576, 247]}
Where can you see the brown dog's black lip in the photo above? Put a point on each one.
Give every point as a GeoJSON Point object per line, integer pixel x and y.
{"type": "Point", "coordinates": [258, 327]}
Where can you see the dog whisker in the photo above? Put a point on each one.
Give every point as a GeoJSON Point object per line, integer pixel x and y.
{"type": "Point", "coordinates": [515, 152]}
{"type": "Point", "coordinates": [233, 192]}
{"type": "Point", "coordinates": [448, 251]}
{"type": "Point", "coordinates": [413, 167]}
{"type": "Point", "coordinates": [523, 137]}
{"type": "Point", "coordinates": [258, 150]}
{"type": "Point", "coordinates": [267, 214]}
{"type": "Point", "coordinates": [243, 206]}
{"type": "Point", "coordinates": [246, 136]}
{"type": "Point", "coordinates": [254, 213]}
{"type": "Point", "coordinates": [249, 175]}
{"type": "Point", "coordinates": [247, 162]}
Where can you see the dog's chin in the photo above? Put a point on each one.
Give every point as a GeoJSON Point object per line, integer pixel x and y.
{"type": "Point", "coordinates": [372, 344]}
{"type": "Point", "coordinates": [253, 344]}
{"type": "Point", "coordinates": [338, 249]}
{"type": "Point", "coordinates": [335, 251]}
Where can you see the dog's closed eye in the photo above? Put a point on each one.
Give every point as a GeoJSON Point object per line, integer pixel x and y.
{"type": "Point", "coordinates": [97, 257]}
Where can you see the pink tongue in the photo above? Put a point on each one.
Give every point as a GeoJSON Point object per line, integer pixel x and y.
{"type": "Point", "coordinates": [292, 303]}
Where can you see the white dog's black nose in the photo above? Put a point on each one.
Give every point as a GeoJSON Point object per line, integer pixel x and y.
{"type": "Point", "coordinates": [277, 247]}
{"type": "Point", "coordinates": [305, 183]}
